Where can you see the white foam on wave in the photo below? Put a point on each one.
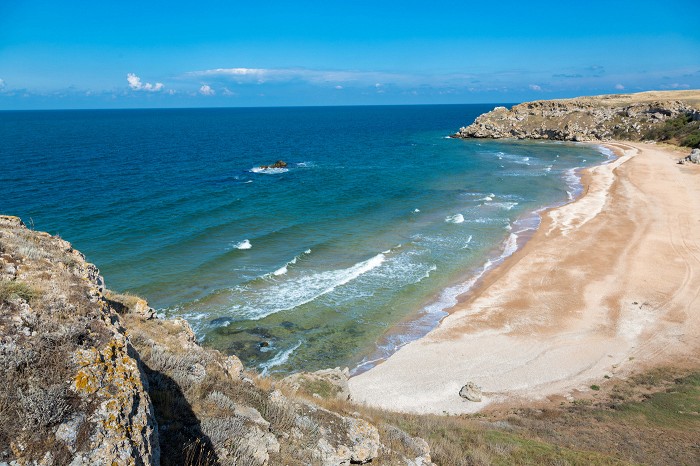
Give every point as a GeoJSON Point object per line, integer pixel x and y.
{"type": "Point", "coordinates": [501, 205]}
{"type": "Point", "coordinates": [245, 244]}
{"type": "Point", "coordinates": [466, 245]}
{"type": "Point", "coordinates": [431, 315]}
{"type": "Point", "coordinates": [279, 359]}
{"type": "Point", "coordinates": [457, 218]}
{"type": "Point", "coordinates": [289, 294]}
{"type": "Point", "coordinates": [606, 152]}
{"type": "Point", "coordinates": [573, 182]}
{"type": "Point", "coordinates": [284, 269]}
{"type": "Point", "coordinates": [415, 211]}
{"type": "Point", "coordinates": [268, 171]}
{"type": "Point", "coordinates": [306, 164]}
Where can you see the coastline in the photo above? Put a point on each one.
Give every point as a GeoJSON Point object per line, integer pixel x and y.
{"type": "Point", "coordinates": [417, 325]}
{"type": "Point", "coordinates": [571, 306]}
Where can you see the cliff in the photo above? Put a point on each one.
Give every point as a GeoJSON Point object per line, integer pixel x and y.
{"type": "Point", "coordinates": [660, 115]}
{"type": "Point", "coordinates": [93, 377]}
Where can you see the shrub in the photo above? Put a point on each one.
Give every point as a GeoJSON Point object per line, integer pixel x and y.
{"type": "Point", "coordinates": [17, 289]}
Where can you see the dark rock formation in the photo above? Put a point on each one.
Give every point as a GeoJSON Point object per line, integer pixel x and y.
{"type": "Point", "coordinates": [278, 164]}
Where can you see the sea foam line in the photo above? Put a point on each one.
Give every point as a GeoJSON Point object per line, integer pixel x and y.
{"type": "Point", "coordinates": [430, 316]}
{"type": "Point", "coordinates": [279, 359]}
{"type": "Point", "coordinates": [284, 269]}
{"type": "Point", "coordinates": [298, 291]}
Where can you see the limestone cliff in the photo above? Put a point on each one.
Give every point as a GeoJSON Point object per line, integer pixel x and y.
{"type": "Point", "coordinates": [599, 118]}
{"type": "Point", "coordinates": [93, 377]}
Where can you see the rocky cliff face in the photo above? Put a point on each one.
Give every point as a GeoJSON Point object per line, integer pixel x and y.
{"type": "Point", "coordinates": [93, 377]}
{"type": "Point", "coordinates": [600, 118]}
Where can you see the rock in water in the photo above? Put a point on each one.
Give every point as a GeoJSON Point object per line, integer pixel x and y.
{"type": "Point", "coordinates": [471, 392]}
{"type": "Point", "coordinates": [278, 164]}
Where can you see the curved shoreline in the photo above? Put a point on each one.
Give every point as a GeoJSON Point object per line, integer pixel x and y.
{"type": "Point", "coordinates": [471, 283]}
{"type": "Point", "coordinates": [572, 305]}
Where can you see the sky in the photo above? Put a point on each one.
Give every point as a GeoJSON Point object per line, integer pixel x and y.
{"type": "Point", "coordinates": [128, 54]}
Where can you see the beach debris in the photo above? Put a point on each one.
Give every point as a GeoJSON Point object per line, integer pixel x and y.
{"type": "Point", "coordinates": [694, 157]}
{"type": "Point", "coordinates": [471, 392]}
{"type": "Point", "coordinates": [278, 164]}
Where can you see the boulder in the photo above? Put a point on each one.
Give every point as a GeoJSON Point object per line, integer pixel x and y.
{"type": "Point", "coordinates": [694, 156]}
{"type": "Point", "coordinates": [278, 164]}
{"type": "Point", "coordinates": [471, 392]}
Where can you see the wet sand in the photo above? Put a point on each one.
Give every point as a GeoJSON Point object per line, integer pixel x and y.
{"type": "Point", "coordinates": [609, 284]}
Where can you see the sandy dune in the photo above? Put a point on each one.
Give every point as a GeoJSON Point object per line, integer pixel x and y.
{"type": "Point", "coordinates": [608, 284]}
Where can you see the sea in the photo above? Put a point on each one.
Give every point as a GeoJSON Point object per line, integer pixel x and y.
{"type": "Point", "coordinates": [376, 226]}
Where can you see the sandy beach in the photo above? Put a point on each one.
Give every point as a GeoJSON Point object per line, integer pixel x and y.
{"type": "Point", "coordinates": [608, 285]}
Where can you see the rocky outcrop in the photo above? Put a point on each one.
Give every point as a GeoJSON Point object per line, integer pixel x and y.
{"type": "Point", "coordinates": [326, 383]}
{"type": "Point", "coordinates": [600, 118]}
{"type": "Point", "coordinates": [471, 392]}
{"type": "Point", "coordinates": [94, 377]}
{"type": "Point", "coordinates": [73, 392]}
{"type": "Point", "coordinates": [278, 164]}
{"type": "Point", "coordinates": [694, 157]}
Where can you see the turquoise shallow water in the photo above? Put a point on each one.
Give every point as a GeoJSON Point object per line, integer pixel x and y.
{"type": "Point", "coordinates": [376, 226]}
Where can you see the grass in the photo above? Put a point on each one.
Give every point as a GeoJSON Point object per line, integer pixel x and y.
{"type": "Point", "coordinates": [17, 289]}
{"type": "Point", "coordinates": [677, 407]}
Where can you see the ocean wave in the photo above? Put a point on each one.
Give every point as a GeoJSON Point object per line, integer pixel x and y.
{"type": "Point", "coordinates": [286, 295]}
{"type": "Point", "coordinates": [431, 315]}
{"type": "Point", "coordinates": [501, 205]}
{"type": "Point", "coordinates": [457, 218]}
{"type": "Point", "coordinates": [245, 244]}
{"type": "Point", "coordinates": [606, 152]}
{"type": "Point", "coordinates": [305, 164]}
{"type": "Point", "coordinates": [573, 182]}
{"type": "Point", "coordinates": [279, 359]}
{"type": "Point", "coordinates": [284, 269]}
{"type": "Point", "coordinates": [269, 171]}
{"type": "Point", "coordinates": [466, 244]}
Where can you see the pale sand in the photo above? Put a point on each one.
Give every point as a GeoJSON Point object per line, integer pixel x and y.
{"type": "Point", "coordinates": [607, 285]}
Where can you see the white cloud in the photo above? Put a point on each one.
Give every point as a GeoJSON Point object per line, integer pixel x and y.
{"type": "Point", "coordinates": [2, 84]}
{"type": "Point", "coordinates": [338, 87]}
{"type": "Point", "coordinates": [619, 87]}
{"type": "Point", "coordinates": [535, 87]}
{"type": "Point", "coordinates": [330, 78]}
{"type": "Point", "coordinates": [227, 92]}
{"type": "Point", "coordinates": [136, 84]}
{"type": "Point", "coordinates": [206, 90]}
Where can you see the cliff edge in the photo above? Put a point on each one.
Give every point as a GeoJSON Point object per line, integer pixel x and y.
{"type": "Point", "coordinates": [94, 377]}
{"type": "Point", "coordinates": [672, 116]}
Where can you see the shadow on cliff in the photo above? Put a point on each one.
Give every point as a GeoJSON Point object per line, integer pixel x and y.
{"type": "Point", "coordinates": [181, 439]}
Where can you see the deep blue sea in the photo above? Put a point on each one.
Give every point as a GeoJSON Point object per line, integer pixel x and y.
{"type": "Point", "coordinates": [375, 227]}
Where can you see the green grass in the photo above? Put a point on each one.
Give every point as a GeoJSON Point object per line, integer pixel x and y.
{"type": "Point", "coordinates": [320, 387]}
{"type": "Point", "coordinates": [676, 408]}
{"type": "Point", "coordinates": [14, 289]}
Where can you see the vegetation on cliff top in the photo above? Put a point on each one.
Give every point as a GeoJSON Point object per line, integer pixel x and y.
{"type": "Point", "coordinates": [681, 130]}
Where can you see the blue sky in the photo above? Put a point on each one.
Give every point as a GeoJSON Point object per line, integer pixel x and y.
{"type": "Point", "coordinates": [80, 54]}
